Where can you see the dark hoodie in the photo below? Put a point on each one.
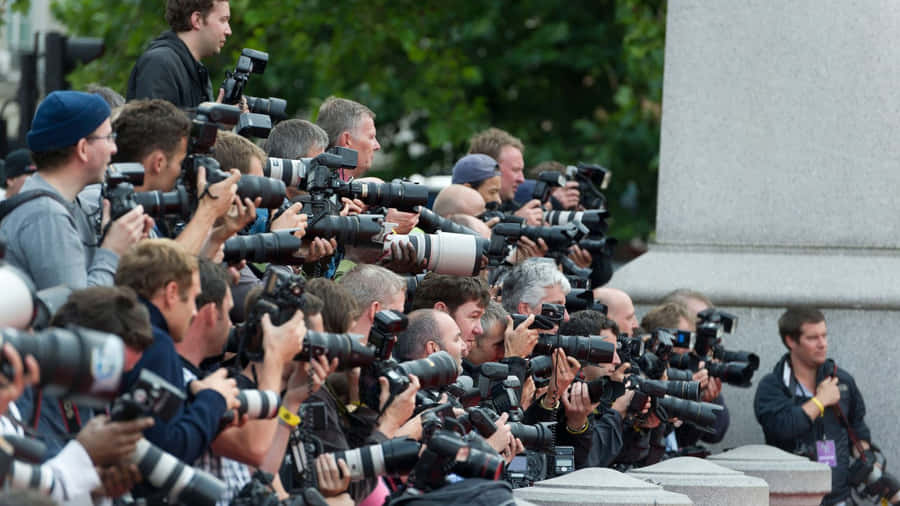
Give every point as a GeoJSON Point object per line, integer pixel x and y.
{"type": "Point", "coordinates": [785, 424]}
{"type": "Point", "coordinates": [167, 70]}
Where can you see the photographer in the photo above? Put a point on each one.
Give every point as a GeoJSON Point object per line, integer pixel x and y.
{"type": "Point", "coordinates": [606, 422]}
{"type": "Point", "coordinates": [16, 168]}
{"type": "Point", "coordinates": [170, 68]}
{"type": "Point", "coordinates": [673, 315]}
{"type": "Point", "coordinates": [166, 279]}
{"type": "Point", "coordinates": [351, 125]}
{"type": "Point", "coordinates": [429, 331]}
{"type": "Point", "coordinates": [48, 234]}
{"type": "Point", "coordinates": [115, 310]}
{"type": "Point", "coordinates": [155, 134]}
{"type": "Point", "coordinates": [507, 150]}
{"type": "Point", "coordinates": [294, 139]}
{"type": "Point", "coordinates": [809, 406]}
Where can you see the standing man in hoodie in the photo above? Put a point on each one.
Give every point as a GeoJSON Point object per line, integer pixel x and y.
{"type": "Point", "coordinates": [171, 66]}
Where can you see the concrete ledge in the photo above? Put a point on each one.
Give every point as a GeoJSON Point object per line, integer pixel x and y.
{"type": "Point", "coordinates": [759, 277]}
{"type": "Point", "coordinates": [706, 483]}
{"type": "Point", "coordinates": [793, 480]}
{"type": "Point", "coordinates": [598, 486]}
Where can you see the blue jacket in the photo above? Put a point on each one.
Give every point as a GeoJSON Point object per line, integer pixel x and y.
{"type": "Point", "coordinates": [189, 433]}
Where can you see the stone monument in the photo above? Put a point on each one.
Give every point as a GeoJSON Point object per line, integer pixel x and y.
{"type": "Point", "coordinates": [779, 171]}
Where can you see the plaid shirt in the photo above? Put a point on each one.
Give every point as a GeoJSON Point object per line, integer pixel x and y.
{"type": "Point", "coordinates": [235, 474]}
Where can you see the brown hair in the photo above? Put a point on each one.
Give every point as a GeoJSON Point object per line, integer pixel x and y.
{"type": "Point", "coordinates": [112, 309]}
{"type": "Point", "coordinates": [338, 305]}
{"type": "Point", "coordinates": [178, 12]}
{"type": "Point", "coordinates": [491, 141]}
{"type": "Point", "coordinates": [154, 263]}
{"type": "Point", "coordinates": [235, 152]}
{"type": "Point", "coordinates": [143, 126]}
{"type": "Point", "coordinates": [454, 291]}
{"type": "Point", "coordinates": [792, 321]}
{"type": "Point", "coordinates": [48, 160]}
{"type": "Point", "coordinates": [665, 316]}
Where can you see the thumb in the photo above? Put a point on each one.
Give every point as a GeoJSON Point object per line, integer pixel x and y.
{"type": "Point", "coordinates": [201, 177]}
{"type": "Point", "coordinates": [266, 323]}
{"type": "Point", "coordinates": [493, 221]}
{"type": "Point", "coordinates": [105, 210]}
{"type": "Point", "coordinates": [221, 95]}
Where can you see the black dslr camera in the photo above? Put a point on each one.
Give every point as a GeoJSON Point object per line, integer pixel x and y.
{"type": "Point", "coordinates": [249, 62]}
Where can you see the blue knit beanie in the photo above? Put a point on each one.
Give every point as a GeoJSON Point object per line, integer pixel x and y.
{"type": "Point", "coordinates": [64, 118]}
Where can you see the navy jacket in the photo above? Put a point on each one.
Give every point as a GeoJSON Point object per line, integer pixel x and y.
{"type": "Point", "coordinates": [167, 70]}
{"type": "Point", "coordinates": [189, 433]}
{"type": "Point", "coordinates": [785, 424]}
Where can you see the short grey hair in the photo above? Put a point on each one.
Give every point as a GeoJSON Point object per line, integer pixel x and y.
{"type": "Point", "coordinates": [526, 283]}
{"type": "Point", "coordinates": [294, 139]}
{"type": "Point", "coordinates": [339, 115]}
{"type": "Point", "coordinates": [423, 327]}
{"type": "Point", "coordinates": [493, 313]}
{"type": "Point", "coordinates": [368, 283]}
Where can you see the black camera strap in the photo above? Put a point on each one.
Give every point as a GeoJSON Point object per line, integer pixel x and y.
{"type": "Point", "coordinates": [850, 432]}
{"type": "Point", "coordinates": [7, 206]}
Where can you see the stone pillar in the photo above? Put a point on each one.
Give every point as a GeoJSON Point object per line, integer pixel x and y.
{"type": "Point", "coordinates": [706, 483]}
{"type": "Point", "coordinates": [793, 480]}
{"type": "Point", "coordinates": [598, 486]}
{"type": "Point", "coordinates": [779, 171]}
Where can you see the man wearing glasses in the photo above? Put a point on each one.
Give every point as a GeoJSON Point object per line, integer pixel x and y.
{"type": "Point", "coordinates": [48, 234]}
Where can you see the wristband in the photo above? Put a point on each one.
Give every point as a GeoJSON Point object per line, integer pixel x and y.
{"type": "Point", "coordinates": [288, 418]}
{"type": "Point", "coordinates": [819, 405]}
{"type": "Point", "coordinates": [582, 430]}
{"type": "Point", "coordinates": [553, 408]}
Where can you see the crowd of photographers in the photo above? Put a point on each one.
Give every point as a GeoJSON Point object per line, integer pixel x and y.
{"type": "Point", "coordinates": [208, 303]}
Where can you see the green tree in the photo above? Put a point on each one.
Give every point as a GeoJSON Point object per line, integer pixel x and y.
{"type": "Point", "coordinates": [580, 81]}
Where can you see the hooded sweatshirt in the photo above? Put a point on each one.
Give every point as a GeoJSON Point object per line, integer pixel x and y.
{"type": "Point", "coordinates": [167, 70]}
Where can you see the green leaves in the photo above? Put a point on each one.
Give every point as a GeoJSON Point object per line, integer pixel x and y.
{"type": "Point", "coordinates": [579, 81]}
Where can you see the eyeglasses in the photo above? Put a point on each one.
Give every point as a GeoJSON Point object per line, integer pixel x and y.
{"type": "Point", "coordinates": [111, 137]}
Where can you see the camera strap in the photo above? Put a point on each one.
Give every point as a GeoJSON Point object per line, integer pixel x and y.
{"type": "Point", "coordinates": [852, 433]}
{"type": "Point", "coordinates": [7, 206]}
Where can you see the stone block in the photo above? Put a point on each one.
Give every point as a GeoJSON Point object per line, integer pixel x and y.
{"type": "Point", "coordinates": [598, 486]}
{"type": "Point", "coordinates": [793, 480]}
{"type": "Point", "coordinates": [706, 483]}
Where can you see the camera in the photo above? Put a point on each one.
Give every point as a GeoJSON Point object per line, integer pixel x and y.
{"type": "Point", "coordinates": [118, 188]}
{"type": "Point", "coordinates": [432, 223]}
{"type": "Point", "coordinates": [22, 307]}
{"type": "Point", "coordinates": [591, 349]}
{"type": "Point", "coordinates": [255, 404]}
{"type": "Point", "coordinates": [440, 458]}
{"type": "Point", "coordinates": [868, 475]}
{"type": "Point", "coordinates": [79, 364]}
{"type": "Point", "coordinates": [152, 395]}
{"type": "Point", "coordinates": [20, 467]}
{"type": "Point", "coordinates": [204, 127]}
{"type": "Point", "coordinates": [558, 238]}
{"type": "Point", "coordinates": [545, 183]}
{"type": "Point", "coordinates": [394, 456]}
{"type": "Point", "coordinates": [249, 62]}
{"type": "Point", "coordinates": [689, 390]}
{"type": "Point", "coordinates": [383, 334]}
{"type": "Point", "coordinates": [701, 414]}
{"type": "Point", "coordinates": [444, 253]}
{"type": "Point", "coordinates": [711, 324]}
{"type": "Point", "coordinates": [591, 179]}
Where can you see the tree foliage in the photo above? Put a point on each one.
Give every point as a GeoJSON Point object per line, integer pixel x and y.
{"type": "Point", "coordinates": [575, 81]}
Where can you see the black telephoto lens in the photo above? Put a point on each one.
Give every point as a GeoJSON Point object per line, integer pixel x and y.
{"type": "Point", "coordinates": [345, 347]}
{"type": "Point", "coordinates": [394, 456]}
{"type": "Point", "coordinates": [173, 203]}
{"type": "Point", "coordinates": [274, 107]}
{"type": "Point", "coordinates": [270, 247]}
{"type": "Point", "coordinates": [402, 196]}
{"type": "Point", "coordinates": [537, 437]}
{"type": "Point", "coordinates": [737, 356]}
{"type": "Point", "coordinates": [679, 374]}
{"type": "Point", "coordinates": [591, 349]}
{"type": "Point", "coordinates": [436, 370]}
{"type": "Point", "coordinates": [359, 230]}
{"type": "Point", "coordinates": [699, 413]}
{"type": "Point", "coordinates": [733, 373]}
{"type": "Point", "coordinates": [270, 190]}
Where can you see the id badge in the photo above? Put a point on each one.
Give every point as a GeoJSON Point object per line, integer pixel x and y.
{"type": "Point", "coordinates": [825, 452]}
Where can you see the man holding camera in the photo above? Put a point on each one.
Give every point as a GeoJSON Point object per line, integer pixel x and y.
{"type": "Point", "coordinates": [48, 234]}
{"type": "Point", "coordinates": [170, 68]}
{"type": "Point", "coordinates": [166, 278]}
{"type": "Point", "coordinates": [507, 150]}
{"type": "Point", "coordinates": [809, 406]}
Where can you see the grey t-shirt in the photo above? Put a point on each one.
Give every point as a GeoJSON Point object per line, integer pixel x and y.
{"type": "Point", "coordinates": [56, 244]}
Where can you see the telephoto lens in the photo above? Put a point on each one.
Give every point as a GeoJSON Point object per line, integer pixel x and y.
{"type": "Point", "coordinates": [269, 247]}
{"type": "Point", "coordinates": [737, 356]}
{"type": "Point", "coordinates": [591, 349]}
{"type": "Point", "coordinates": [258, 404]}
{"type": "Point", "coordinates": [271, 191]}
{"type": "Point", "coordinates": [185, 485]}
{"type": "Point", "coordinates": [436, 370]}
{"type": "Point", "coordinates": [291, 172]}
{"type": "Point", "coordinates": [399, 195]}
{"type": "Point", "coordinates": [444, 253]}
{"type": "Point", "coordinates": [432, 223]}
{"type": "Point", "coordinates": [594, 219]}
{"type": "Point", "coordinates": [537, 437]}
{"type": "Point", "coordinates": [79, 364]}
{"type": "Point", "coordinates": [160, 204]}
{"type": "Point", "coordinates": [689, 390]}
{"type": "Point", "coordinates": [274, 107]}
{"type": "Point", "coordinates": [702, 414]}
{"type": "Point", "coordinates": [364, 230]}
{"type": "Point", "coordinates": [347, 348]}
{"type": "Point", "coordinates": [394, 456]}
{"type": "Point", "coordinates": [679, 374]}
{"type": "Point", "coordinates": [734, 373]}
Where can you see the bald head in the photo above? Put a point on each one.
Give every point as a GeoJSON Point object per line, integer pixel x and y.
{"type": "Point", "coordinates": [473, 223]}
{"type": "Point", "coordinates": [620, 309]}
{"type": "Point", "coordinates": [458, 199]}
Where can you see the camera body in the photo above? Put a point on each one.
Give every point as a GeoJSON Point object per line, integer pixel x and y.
{"type": "Point", "coordinates": [150, 395]}
{"type": "Point", "coordinates": [281, 297]}
{"type": "Point", "coordinates": [118, 187]}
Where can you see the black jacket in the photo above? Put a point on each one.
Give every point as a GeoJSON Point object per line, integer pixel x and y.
{"type": "Point", "coordinates": [167, 70]}
{"type": "Point", "coordinates": [785, 424]}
